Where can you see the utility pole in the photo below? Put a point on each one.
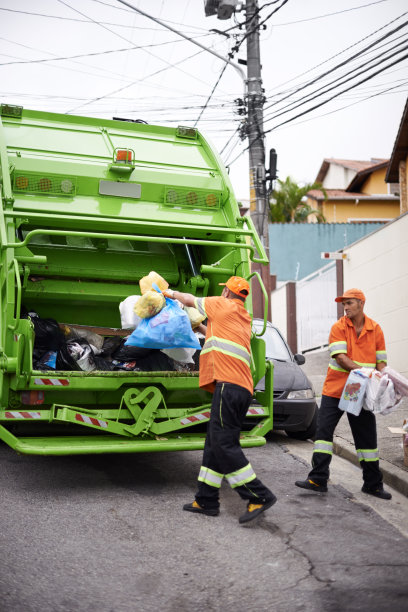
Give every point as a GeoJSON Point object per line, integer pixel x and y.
{"type": "Point", "coordinates": [256, 146]}
{"type": "Point", "coordinates": [254, 101]}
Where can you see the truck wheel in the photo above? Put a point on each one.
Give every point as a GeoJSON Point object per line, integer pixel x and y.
{"type": "Point", "coordinates": [309, 433]}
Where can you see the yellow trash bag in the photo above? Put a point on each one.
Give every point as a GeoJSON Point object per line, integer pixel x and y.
{"type": "Point", "coordinates": [194, 315]}
{"type": "Point", "coordinates": [146, 282]}
{"type": "Point", "coordinates": [149, 304]}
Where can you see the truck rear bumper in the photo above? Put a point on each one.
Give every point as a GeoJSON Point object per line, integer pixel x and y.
{"type": "Point", "coordinates": [100, 444]}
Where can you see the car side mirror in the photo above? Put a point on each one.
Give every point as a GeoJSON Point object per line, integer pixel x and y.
{"type": "Point", "coordinates": [300, 359]}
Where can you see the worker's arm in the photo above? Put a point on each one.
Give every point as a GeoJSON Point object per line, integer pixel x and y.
{"type": "Point", "coordinates": [185, 298]}
{"type": "Point", "coordinates": [380, 365]}
{"type": "Point", "coordinates": [345, 362]}
{"type": "Point", "coordinates": [201, 328]}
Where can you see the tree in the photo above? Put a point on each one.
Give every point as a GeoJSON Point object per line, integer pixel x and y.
{"type": "Point", "coordinates": [288, 204]}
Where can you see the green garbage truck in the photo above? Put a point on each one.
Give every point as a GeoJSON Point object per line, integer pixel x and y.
{"type": "Point", "coordinates": [89, 207]}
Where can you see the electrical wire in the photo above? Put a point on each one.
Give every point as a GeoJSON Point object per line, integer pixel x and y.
{"type": "Point", "coordinates": [341, 64]}
{"type": "Point", "coordinates": [325, 89]}
{"type": "Point", "coordinates": [87, 21]}
{"type": "Point", "coordinates": [133, 83]}
{"type": "Point", "coordinates": [210, 96]}
{"type": "Point", "coordinates": [341, 52]}
{"type": "Point", "coordinates": [319, 105]}
{"type": "Point", "coordinates": [339, 93]}
{"type": "Point", "coordinates": [353, 8]}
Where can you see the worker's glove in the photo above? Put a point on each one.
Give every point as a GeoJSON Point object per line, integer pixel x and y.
{"type": "Point", "coordinates": [169, 293]}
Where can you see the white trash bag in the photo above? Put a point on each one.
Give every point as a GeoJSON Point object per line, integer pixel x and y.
{"type": "Point", "coordinates": [128, 318]}
{"type": "Point", "coordinates": [381, 395]}
{"type": "Point", "coordinates": [354, 391]}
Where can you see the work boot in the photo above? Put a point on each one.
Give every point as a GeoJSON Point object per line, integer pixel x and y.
{"type": "Point", "coordinates": [378, 492]}
{"type": "Point", "coordinates": [311, 486]}
{"type": "Point", "coordinates": [194, 507]}
{"type": "Point", "coordinates": [254, 510]}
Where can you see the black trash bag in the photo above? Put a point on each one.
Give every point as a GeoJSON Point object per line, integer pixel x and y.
{"type": "Point", "coordinates": [156, 361]}
{"type": "Point", "coordinates": [48, 335]}
{"type": "Point", "coordinates": [102, 364]}
{"type": "Point", "coordinates": [65, 361]}
{"type": "Point", "coordinates": [110, 345]}
{"type": "Point", "coordinates": [130, 353]}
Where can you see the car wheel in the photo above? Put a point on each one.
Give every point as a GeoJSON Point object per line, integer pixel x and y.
{"type": "Point", "coordinates": [310, 432]}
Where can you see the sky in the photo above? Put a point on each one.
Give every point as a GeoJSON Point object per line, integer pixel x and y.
{"type": "Point", "coordinates": [100, 58]}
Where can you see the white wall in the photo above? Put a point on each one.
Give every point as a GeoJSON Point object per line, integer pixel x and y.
{"type": "Point", "coordinates": [338, 177]}
{"type": "Point", "coordinates": [316, 310]}
{"type": "Point", "coordinates": [278, 306]}
{"type": "Point", "coordinates": [378, 264]}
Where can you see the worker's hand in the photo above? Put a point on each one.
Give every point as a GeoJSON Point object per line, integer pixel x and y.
{"type": "Point", "coordinates": [169, 293]}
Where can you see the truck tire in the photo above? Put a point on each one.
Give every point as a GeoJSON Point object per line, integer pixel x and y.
{"type": "Point", "coordinates": [308, 433]}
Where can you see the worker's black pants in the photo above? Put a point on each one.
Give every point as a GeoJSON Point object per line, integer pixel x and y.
{"type": "Point", "coordinates": [223, 455]}
{"type": "Point", "coordinates": [364, 430]}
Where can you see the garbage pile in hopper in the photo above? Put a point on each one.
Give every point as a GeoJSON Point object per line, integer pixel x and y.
{"type": "Point", "coordinates": [161, 337]}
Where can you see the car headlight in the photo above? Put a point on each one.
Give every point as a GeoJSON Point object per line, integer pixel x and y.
{"type": "Point", "coordinates": [301, 394]}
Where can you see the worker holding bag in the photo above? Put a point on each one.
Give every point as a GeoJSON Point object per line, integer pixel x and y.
{"type": "Point", "coordinates": [355, 342]}
{"type": "Point", "coordinates": [225, 372]}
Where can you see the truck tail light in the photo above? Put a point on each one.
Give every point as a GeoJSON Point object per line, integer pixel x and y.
{"type": "Point", "coordinates": [44, 184]}
{"type": "Point", "coordinates": [21, 182]}
{"type": "Point", "coordinates": [32, 398]}
{"type": "Point", "coordinates": [191, 198]}
{"type": "Point", "coordinates": [123, 155]}
{"type": "Point", "coordinates": [211, 199]}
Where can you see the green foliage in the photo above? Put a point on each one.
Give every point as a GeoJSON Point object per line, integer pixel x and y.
{"type": "Point", "coordinates": [287, 205]}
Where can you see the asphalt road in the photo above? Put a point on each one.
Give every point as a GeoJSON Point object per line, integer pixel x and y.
{"type": "Point", "coordinates": [107, 534]}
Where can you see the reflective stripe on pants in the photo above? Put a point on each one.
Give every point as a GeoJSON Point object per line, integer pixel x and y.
{"type": "Point", "coordinates": [363, 428]}
{"type": "Point", "coordinates": [223, 453]}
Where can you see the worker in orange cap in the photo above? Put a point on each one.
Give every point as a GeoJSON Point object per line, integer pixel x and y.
{"type": "Point", "coordinates": [355, 341]}
{"type": "Point", "coordinates": [225, 372]}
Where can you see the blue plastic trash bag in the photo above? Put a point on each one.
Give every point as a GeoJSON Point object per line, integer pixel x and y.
{"type": "Point", "coordinates": [170, 328]}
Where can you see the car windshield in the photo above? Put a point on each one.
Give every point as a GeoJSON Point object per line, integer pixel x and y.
{"type": "Point", "coordinates": [275, 347]}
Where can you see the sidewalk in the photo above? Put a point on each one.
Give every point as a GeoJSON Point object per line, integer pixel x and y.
{"type": "Point", "coordinates": [390, 445]}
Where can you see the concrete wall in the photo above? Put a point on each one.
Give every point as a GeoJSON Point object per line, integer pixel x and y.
{"type": "Point", "coordinates": [378, 264]}
{"type": "Point", "coordinates": [295, 248]}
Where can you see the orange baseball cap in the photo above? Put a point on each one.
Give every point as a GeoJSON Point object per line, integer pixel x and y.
{"type": "Point", "coordinates": [351, 293]}
{"type": "Point", "coordinates": [238, 285]}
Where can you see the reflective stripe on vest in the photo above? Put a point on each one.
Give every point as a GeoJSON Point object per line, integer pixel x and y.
{"type": "Point", "coordinates": [221, 345]}
{"type": "Point", "coordinates": [241, 477]}
{"type": "Point", "coordinates": [381, 356]}
{"type": "Point", "coordinates": [199, 304]}
{"type": "Point", "coordinates": [211, 478]}
{"type": "Point", "coordinates": [337, 347]}
{"type": "Point", "coordinates": [321, 446]}
{"type": "Point", "coordinates": [368, 454]}
{"type": "Point", "coordinates": [333, 365]}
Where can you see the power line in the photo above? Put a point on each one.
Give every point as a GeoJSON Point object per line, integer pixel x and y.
{"type": "Point", "coordinates": [340, 93]}
{"type": "Point", "coordinates": [322, 104]}
{"type": "Point", "coordinates": [353, 8]}
{"type": "Point", "coordinates": [133, 83]}
{"type": "Point", "coordinates": [341, 64]}
{"type": "Point", "coordinates": [325, 89]}
{"type": "Point", "coordinates": [341, 52]}
{"type": "Point", "coordinates": [210, 96]}
{"type": "Point", "coordinates": [87, 21]}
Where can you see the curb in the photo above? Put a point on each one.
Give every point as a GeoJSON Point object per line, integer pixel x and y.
{"type": "Point", "coordinates": [393, 476]}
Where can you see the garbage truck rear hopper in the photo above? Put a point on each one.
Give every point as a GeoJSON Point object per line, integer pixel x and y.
{"type": "Point", "coordinates": [89, 207]}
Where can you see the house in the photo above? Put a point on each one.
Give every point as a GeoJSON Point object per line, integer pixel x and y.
{"type": "Point", "coordinates": [398, 166]}
{"type": "Point", "coordinates": [356, 192]}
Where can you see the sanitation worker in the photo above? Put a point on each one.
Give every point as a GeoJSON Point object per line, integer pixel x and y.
{"type": "Point", "coordinates": [355, 341]}
{"type": "Point", "coordinates": [225, 372]}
